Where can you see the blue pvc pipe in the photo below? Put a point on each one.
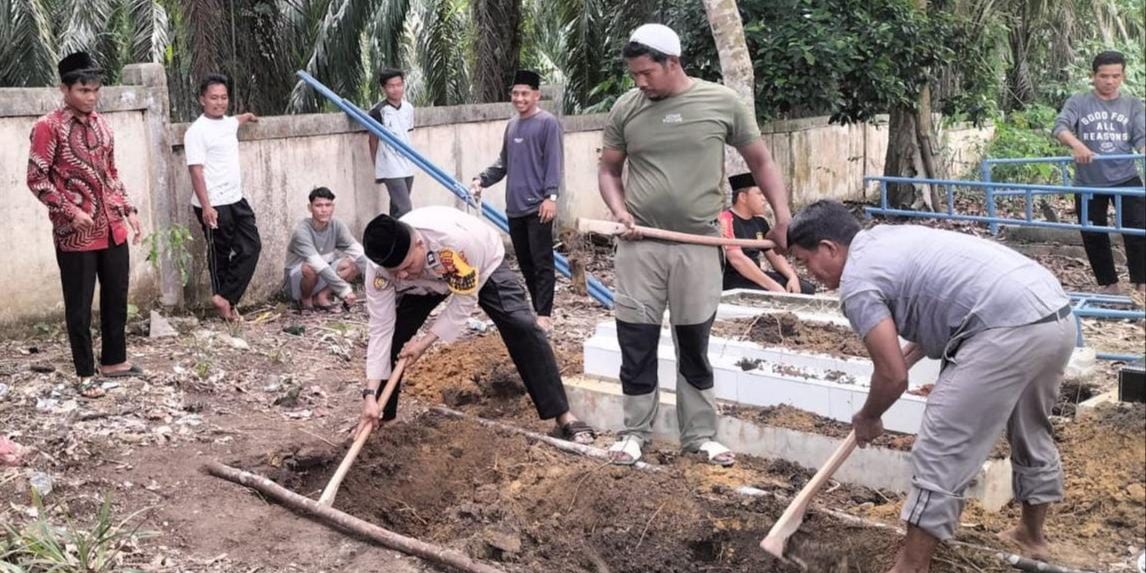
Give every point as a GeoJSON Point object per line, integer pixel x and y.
{"type": "Point", "coordinates": [597, 290]}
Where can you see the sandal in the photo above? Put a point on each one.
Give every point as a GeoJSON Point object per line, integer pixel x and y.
{"type": "Point", "coordinates": [90, 387]}
{"type": "Point", "coordinates": [626, 451]}
{"type": "Point", "coordinates": [577, 432]}
{"type": "Point", "coordinates": [717, 454]}
{"type": "Point", "coordinates": [135, 370]}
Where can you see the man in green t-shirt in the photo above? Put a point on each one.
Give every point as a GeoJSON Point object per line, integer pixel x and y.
{"type": "Point", "coordinates": [671, 131]}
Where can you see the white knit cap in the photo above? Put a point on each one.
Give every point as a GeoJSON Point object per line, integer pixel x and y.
{"type": "Point", "coordinates": [658, 37]}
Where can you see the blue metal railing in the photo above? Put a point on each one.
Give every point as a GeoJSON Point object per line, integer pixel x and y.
{"type": "Point", "coordinates": [1026, 190]}
{"type": "Point", "coordinates": [1063, 165]}
{"type": "Point", "coordinates": [597, 290]}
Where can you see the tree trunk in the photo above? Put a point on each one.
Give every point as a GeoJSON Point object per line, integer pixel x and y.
{"type": "Point", "coordinates": [1020, 87]}
{"type": "Point", "coordinates": [735, 67]}
{"type": "Point", "coordinates": [497, 46]}
{"type": "Point", "coordinates": [902, 147]}
{"type": "Point", "coordinates": [911, 149]}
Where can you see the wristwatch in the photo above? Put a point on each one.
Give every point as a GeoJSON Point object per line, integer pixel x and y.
{"type": "Point", "coordinates": [368, 392]}
{"type": "Point", "coordinates": [552, 197]}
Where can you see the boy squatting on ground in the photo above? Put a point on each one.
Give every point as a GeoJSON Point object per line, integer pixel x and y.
{"type": "Point", "coordinates": [323, 257]}
{"type": "Point", "coordinates": [1002, 326]}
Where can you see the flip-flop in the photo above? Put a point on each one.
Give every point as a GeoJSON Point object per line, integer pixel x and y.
{"type": "Point", "coordinates": [90, 387]}
{"type": "Point", "coordinates": [629, 447]}
{"type": "Point", "coordinates": [577, 432]}
{"type": "Point", "coordinates": [135, 370]}
{"type": "Point", "coordinates": [717, 454]}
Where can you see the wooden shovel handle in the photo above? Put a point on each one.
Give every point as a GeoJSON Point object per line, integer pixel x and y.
{"type": "Point", "coordinates": [331, 489]}
{"type": "Point", "coordinates": [615, 228]}
{"type": "Point", "coordinates": [793, 516]}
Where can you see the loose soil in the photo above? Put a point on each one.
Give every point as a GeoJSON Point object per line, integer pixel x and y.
{"type": "Point", "coordinates": [787, 330]}
{"type": "Point", "coordinates": [284, 406]}
{"type": "Point", "coordinates": [500, 498]}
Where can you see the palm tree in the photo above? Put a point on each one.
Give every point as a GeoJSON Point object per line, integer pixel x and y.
{"type": "Point", "coordinates": [34, 34]}
{"type": "Point", "coordinates": [497, 49]}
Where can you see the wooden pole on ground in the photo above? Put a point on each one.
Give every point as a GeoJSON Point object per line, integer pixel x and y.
{"type": "Point", "coordinates": [348, 523]}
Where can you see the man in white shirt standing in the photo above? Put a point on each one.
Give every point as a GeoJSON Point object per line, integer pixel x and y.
{"type": "Point", "coordinates": [390, 167]}
{"type": "Point", "coordinates": [212, 148]}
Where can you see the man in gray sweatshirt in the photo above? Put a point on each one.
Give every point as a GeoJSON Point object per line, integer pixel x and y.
{"type": "Point", "coordinates": [532, 156]}
{"type": "Point", "coordinates": [322, 257]}
{"type": "Point", "coordinates": [1104, 121]}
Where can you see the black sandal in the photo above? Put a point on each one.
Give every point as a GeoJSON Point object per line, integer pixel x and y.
{"type": "Point", "coordinates": [577, 432]}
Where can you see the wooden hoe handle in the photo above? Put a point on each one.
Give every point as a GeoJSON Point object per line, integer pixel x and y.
{"type": "Point", "coordinates": [793, 516]}
{"type": "Point", "coordinates": [331, 489]}
{"type": "Point", "coordinates": [614, 228]}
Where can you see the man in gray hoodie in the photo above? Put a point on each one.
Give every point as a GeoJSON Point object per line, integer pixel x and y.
{"type": "Point", "coordinates": [532, 157]}
{"type": "Point", "coordinates": [1105, 121]}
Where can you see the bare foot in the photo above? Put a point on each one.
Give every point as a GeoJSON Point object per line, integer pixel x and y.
{"type": "Point", "coordinates": [1033, 549]}
{"type": "Point", "coordinates": [1110, 289]}
{"type": "Point", "coordinates": [222, 307]}
{"type": "Point", "coordinates": [307, 303]}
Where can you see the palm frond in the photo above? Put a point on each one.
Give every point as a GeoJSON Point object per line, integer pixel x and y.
{"type": "Point", "coordinates": [206, 39]}
{"type": "Point", "coordinates": [84, 25]}
{"type": "Point", "coordinates": [27, 55]}
{"type": "Point", "coordinates": [336, 56]}
{"type": "Point", "coordinates": [438, 53]}
{"type": "Point", "coordinates": [148, 36]}
{"type": "Point", "coordinates": [497, 48]}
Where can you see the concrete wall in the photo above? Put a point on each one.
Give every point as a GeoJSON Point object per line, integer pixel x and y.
{"type": "Point", "coordinates": [284, 157]}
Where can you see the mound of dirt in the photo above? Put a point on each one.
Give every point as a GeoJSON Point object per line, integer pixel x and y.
{"type": "Point", "coordinates": [530, 508]}
{"type": "Point", "coordinates": [787, 330]}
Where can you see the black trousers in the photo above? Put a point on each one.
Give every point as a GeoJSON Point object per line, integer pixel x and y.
{"type": "Point", "coordinates": [737, 280]}
{"type": "Point", "coordinates": [503, 299]}
{"type": "Point", "coordinates": [533, 245]}
{"type": "Point", "coordinates": [78, 274]}
{"type": "Point", "coordinates": [232, 249]}
{"type": "Point", "coordinates": [1097, 245]}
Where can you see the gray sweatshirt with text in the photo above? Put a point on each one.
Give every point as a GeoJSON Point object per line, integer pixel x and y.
{"type": "Point", "coordinates": [1106, 127]}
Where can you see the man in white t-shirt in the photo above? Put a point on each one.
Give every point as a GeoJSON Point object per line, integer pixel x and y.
{"type": "Point", "coordinates": [212, 148]}
{"type": "Point", "coordinates": [390, 167]}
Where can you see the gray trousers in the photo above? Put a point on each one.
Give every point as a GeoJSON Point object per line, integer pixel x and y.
{"type": "Point", "coordinates": [399, 189]}
{"type": "Point", "coordinates": [686, 279]}
{"type": "Point", "coordinates": [999, 378]}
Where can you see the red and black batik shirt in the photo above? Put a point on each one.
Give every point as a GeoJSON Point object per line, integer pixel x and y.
{"type": "Point", "coordinates": [71, 166]}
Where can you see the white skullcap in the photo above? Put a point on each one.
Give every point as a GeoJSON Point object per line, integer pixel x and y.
{"type": "Point", "coordinates": [658, 37]}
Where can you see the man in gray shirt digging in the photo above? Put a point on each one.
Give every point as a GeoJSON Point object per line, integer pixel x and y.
{"type": "Point", "coordinates": [1105, 121]}
{"type": "Point", "coordinates": [318, 242]}
{"type": "Point", "coordinates": [532, 157]}
{"type": "Point", "coordinates": [1001, 325]}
